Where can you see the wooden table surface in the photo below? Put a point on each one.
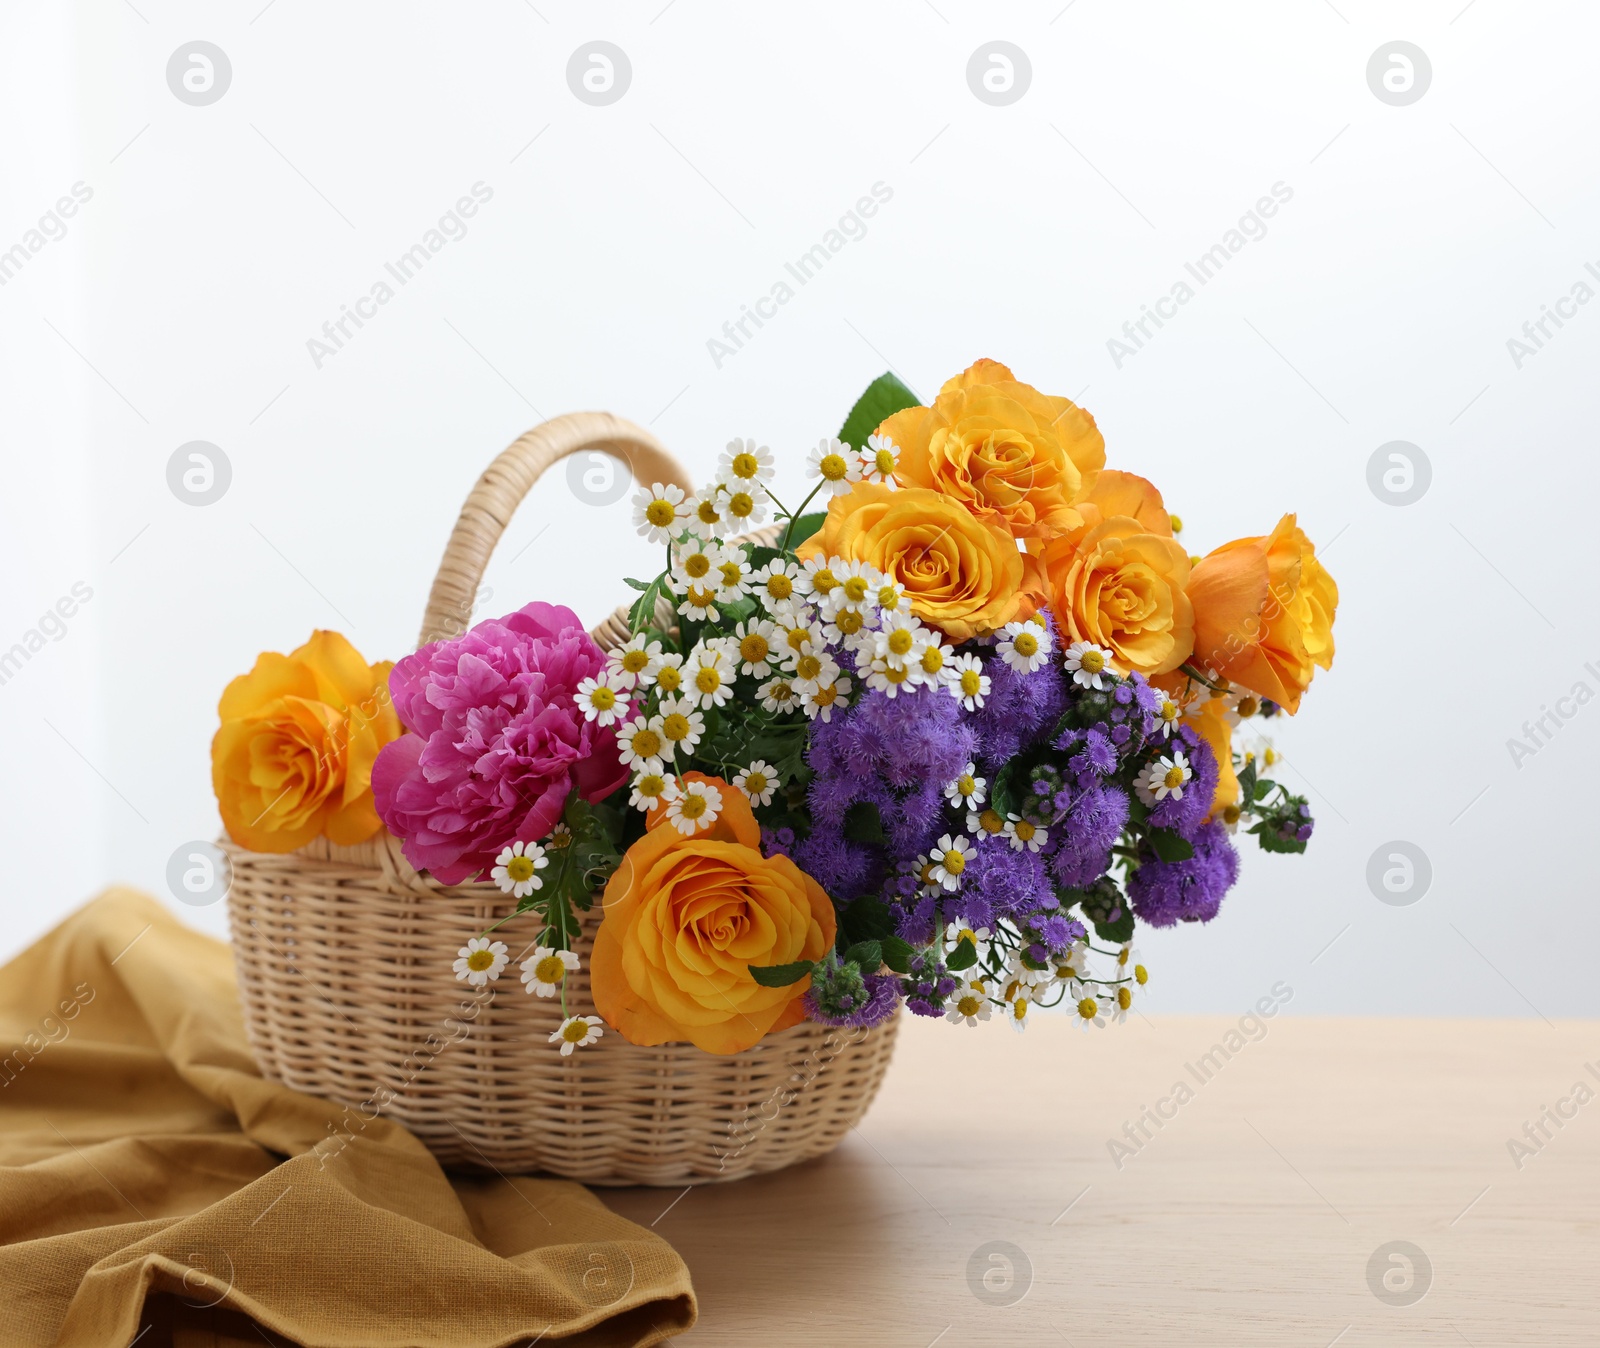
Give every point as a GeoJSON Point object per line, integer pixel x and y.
{"type": "Point", "coordinates": [1260, 1212]}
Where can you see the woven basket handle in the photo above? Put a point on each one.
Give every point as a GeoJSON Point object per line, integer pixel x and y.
{"type": "Point", "coordinates": [508, 479]}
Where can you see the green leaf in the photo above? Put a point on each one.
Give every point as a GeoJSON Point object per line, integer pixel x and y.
{"type": "Point", "coordinates": [804, 527]}
{"type": "Point", "coordinates": [964, 956]}
{"type": "Point", "coordinates": [738, 610]}
{"type": "Point", "coordinates": [868, 954]}
{"type": "Point", "coordinates": [867, 919]}
{"type": "Point", "coordinates": [636, 584]}
{"type": "Point", "coordinates": [1169, 845]}
{"type": "Point", "coordinates": [1119, 931]}
{"type": "Point", "coordinates": [885, 396]}
{"type": "Point", "coordinates": [1264, 788]}
{"type": "Point", "coordinates": [1271, 840]}
{"type": "Point", "coordinates": [643, 612]}
{"type": "Point", "coordinates": [759, 557]}
{"type": "Point", "coordinates": [863, 823]}
{"type": "Point", "coordinates": [781, 975]}
{"type": "Point", "coordinates": [897, 953]}
{"type": "Point", "coordinates": [1247, 782]}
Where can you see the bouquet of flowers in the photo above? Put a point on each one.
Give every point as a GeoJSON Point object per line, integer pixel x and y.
{"type": "Point", "coordinates": [945, 740]}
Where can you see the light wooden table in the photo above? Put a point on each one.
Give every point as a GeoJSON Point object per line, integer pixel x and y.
{"type": "Point", "coordinates": [1249, 1217]}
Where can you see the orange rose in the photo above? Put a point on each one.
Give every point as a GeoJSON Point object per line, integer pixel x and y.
{"type": "Point", "coordinates": [1209, 718]}
{"type": "Point", "coordinates": [1005, 451]}
{"type": "Point", "coordinates": [961, 574]}
{"type": "Point", "coordinates": [1264, 611]}
{"type": "Point", "coordinates": [685, 917]}
{"type": "Point", "coordinates": [1120, 583]}
{"type": "Point", "coordinates": [293, 757]}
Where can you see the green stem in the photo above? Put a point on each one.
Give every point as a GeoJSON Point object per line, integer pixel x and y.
{"type": "Point", "coordinates": [1198, 677]}
{"type": "Point", "coordinates": [788, 532]}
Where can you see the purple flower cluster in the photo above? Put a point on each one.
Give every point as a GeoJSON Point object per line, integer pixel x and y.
{"type": "Point", "coordinates": [1165, 893]}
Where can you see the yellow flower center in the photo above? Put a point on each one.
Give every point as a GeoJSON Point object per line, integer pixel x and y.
{"type": "Point", "coordinates": [900, 641]}
{"type": "Point", "coordinates": [1175, 777]}
{"type": "Point", "coordinates": [1019, 1009]}
{"type": "Point", "coordinates": [707, 680]}
{"type": "Point", "coordinates": [676, 726]}
{"type": "Point", "coordinates": [635, 661]}
{"type": "Point", "coordinates": [826, 696]}
{"type": "Point", "coordinates": [933, 660]}
{"type": "Point", "coordinates": [1122, 958]}
{"type": "Point", "coordinates": [708, 512]}
{"type": "Point", "coordinates": [550, 969]}
{"type": "Point", "coordinates": [1124, 998]}
{"type": "Point", "coordinates": [740, 504]}
{"type": "Point", "coordinates": [670, 679]}
{"type": "Point", "coordinates": [855, 589]}
{"type": "Point", "coordinates": [954, 861]}
{"type": "Point", "coordinates": [824, 581]}
{"type": "Point", "coordinates": [520, 869]}
{"type": "Point", "coordinates": [562, 837]}
{"type": "Point", "coordinates": [753, 649]}
{"type": "Point", "coordinates": [1141, 975]}
{"type": "Point", "coordinates": [746, 466]}
{"type": "Point", "coordinates": [781, 692]}
{"type": "Point", "coordinates": [1092, 662]}
{"type": "Point", "coordinates": [479, 960]}
{"type": "Point", "coordinates": [755, 782]}
{"type": "Point", "coordinates": [965, 785]}
{"type": "Point", "coordinates": [927, 873]}
{"type": "Point", "coordinates": [967, 934]}
{"type": "Point", "coordinates": [574, 1031]}
{"type": "Point", "coordinates": [1248, 706]}
{"type": "Point", "coordinates": [1023, 830]}
{"type": "Point", "coordinates": [646, 743]}
{"type": "Point", "coordinates": [660, 512]}
{"type": "Point", "coordinates": [602, 699]}
{"type": "Point", "coordinates": [1230, 814]}
{"type": "Point", "coordinates": [796, 638]}
{"type": "Point", "coordinates": [732, 573]}
{"type": "Point", "coordinates": [1026, 645]}
{"type": "Point", "coordinates": [1170, 711]}
{"type": "Point", "coordinates": [969, 1005]}
{"type": "Point", "coordinates": [1270, 756]}
{"type": "Point", "coordinates": [885, 461]}
{"type": "Point", "coordinates": [833, 467]}
{"type": "Point", "coordinates": [990, 822]}
{"type": "Point", "coordinates": [692, 806]}
{"type": "Point", "coordinates": [780, 586]}
{"type": "Point", "coordinates": [697, 564]}
{"type": "Point", "coordinates": [889, 596]}
{"type": "Point", "coordinates": [808, 666]}
{"type": "Point", "coordinates": [699, 598]}
{"type": "Point", "coordinates": [971, 682]}
{"type": "Point", "coordinates": [651, 786]}
{"type": "Point", "coordinates": [1088, 1008]}
{"type": "Point", "coordinates": [849, 622]}
{"type": "Point", "coordinates": [894, 674]}
{"type": "Point", "coordinates": [1177, 523]}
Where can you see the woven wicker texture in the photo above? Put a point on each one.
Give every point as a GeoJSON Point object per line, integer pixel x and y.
{"type": "Point", "coordinates": [343, 958]}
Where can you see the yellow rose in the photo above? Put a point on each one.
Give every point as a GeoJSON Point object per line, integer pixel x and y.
{"type": "Point", "coordinates": [961, 574]}
{"type": "Point", "coordinates": [685, 918]}
{"type": "Point", "coordinates": [1210, 722]}
{"type": "Point", "coordinates": [293, 757]}
{"type": "Point", "coordinates": [1007, 452]}
{"type": "Point", "coordinates": [1264, 610]}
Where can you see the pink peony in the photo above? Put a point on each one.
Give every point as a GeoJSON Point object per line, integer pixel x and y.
{"type": "Point", "coordinates": [496, 742]}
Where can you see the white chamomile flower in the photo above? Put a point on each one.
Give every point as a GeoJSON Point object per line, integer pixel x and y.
{"type": "Point", "coordinates": [1121, 1003]}
{"type": "Point", "coordinates": [857, 588]}
{"type": "Point", "coordinates": [796, 630]}
{"type": "Point", "coordinates": [658, 511]}
{"type": "Point", "coordinates": [1168, 713]}
{"type": "Point", "coordinates": [516, 869]}
{"type": "Point", "coordinates": [834, 464]}
{"type": "Point", "coordinates": [1017, 1013]}
{"type": "Point", "coordinates": [753, 643]}
{"type": "Point", "coordinates": [1089, 665]}
{"type": "Point", "coordinates": [601, 700]}
{"type": "Point", "coordinates": [694, 565]}
{"type": "Point", "coordinates": [641, 745]}
{"type": "Point", "coordinates": [757, 782]}
{"type": "Point", "coordinates": [650, 789]}
{"type": "Point", "coordinates": [1127, 957]}
{"type": "Point", "coordinates": [681, 725]}
{"type": "Point", "coordinates": [879, 460]}
{"type": "Point", "coordinates": [968, 683]}
{"type": "Point", "coordinates": [745, 504]}
{"type": "Point", "coordinates": [821, 700]}
{"type": "Point", "coordinates": [967, 1005]}
{"type": "Point", "coordinates": [629, 663]}
{"type": "Point", "coordinates": [744, 461]}
{"type": "Point", "coordinates": [732, 576]}
{"type": "Point", "coordinates": [846, 627]}
{"type": "Point", "coordinates": [891, 596]}
{"type": "Point", "coordinates": [819, 577]}
{"type": "Point", "coordinates": [934, 664]}
{"type": "Point", "coordinates": [1165, 777]}
{"type": "Point", "coordinates": [706, 516]}
{"type": "Point", "coordinates": [888, 678]}
{"type": "Point", "coordinates": [950, 859]}
{"type": "Point", "coordinates": [693, 806]}
{"type": "Point", "coordinates": [480, 961]}
{"type": "Point", "coordinates": [708, 676]}
{"type": "Point", "coordinates": [544, 971]}
{"type": "Point", "coordinates": [1260, 749]}
{"type": "Point", "coordinates": [811, 667]}
{"type": "Point", "coordinates": [774, 585]}
{"type": "Point", "coordinates": [1023, 647]}
{"type": "Point", "coordinates": [985, 821]}
{"type": "Point", "coordinates": [968, 790]}
{"type": "Point", "coordinates": [1092, 1012]}
{"type": "Point", "coordinates": [665, 670]}
{"type": "Point", "coordinates": [1025, 836]}
{"type": "Point", "coordinates": [955, 933]}
{"type": "Point", "coordinates": [899, 639]}
{"type": "Point", "coordinates": [778, 695]}
{"type": "Point", "coordinates": [699, 603]}
{"type": "Point", "coordinates": [1240, 706]}
{"type": "Point", "coordinates": [577, 1032]}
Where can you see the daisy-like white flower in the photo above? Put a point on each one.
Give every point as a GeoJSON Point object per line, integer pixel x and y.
{"type": "Point", "coordinates": [641, 745]}
{"type": "Point", "coordinates": [1261, 750]}
{"type": "Point", "coordinates": [774, 585]}
{"type": "Point", "coordinates": [681, 725]}
{"type": "Point", "coordinates": [1121, 1003]}
{"type": "Point", "coordinates": [1126, 956]}
{"type": "Point", "coordinates": [1092, 1012]}
{"type": "Point", "coordinates": [795, 630]}
{"type": "Point", "coordinates": [821, 700]}
{"type": "Point", "coordinates": [694, 564]}
{"type": "Point", "coordinates": [745, 504]}
{"type": "Point", "coordinates": [778, 694]}
{"type": "Point", "coordinates": [818, 577]}
{"type": "Point", "coordinates": [879, 460]}
{"type": "Point", "coordinates": [1025, 836]}
{"type": "Point", "coordinates": [693, 806]}
{"type": "Point", "coordinates": [650, 789]}
{"type": "Point", "coordinates": [706, 514]}
{"type": "Point", "coordinates": [744, 461]}
{"type": "Point", "coordinates": [1230, 816]}
{"type": "Point", "coordinates": [846, 627]}
{"type": "Point", "coordinates": [835, 465]}
{"type": "Point", "coordinates": [811, 667]}
{"type": "Point", "coordinates": [968, 1006]}
{"type": "Point", "coordinates": [950, 859]}
{"type": "Point", "coordinates": [955, 933]}
{"type": "Point", "coordinates": [757, 782]}
{"type": "Point", "coordinates": [891, 597]}
{"type": "Point", "coordinates": [516, 869]}
{"type": "Point", "coordinates": [968, 683]}
{"type": "Point", "coordinates": [732, 575]}
{"type": "Point", "coordinates": [577, 1032]}
{"type": "Point", "coordinates": [858, 583]}
{"type": "Point", "coordinates": [1022, 647]}
{"type": "Point", "coordinates": [753, 641]}
{"type": "Point", "coordinates": [665, 670]}
{"type": "Point", "coordinates": [1165, 777]}
{"type": "Point", "coordinates": [1089, 665]}
{"type": "Point", "coordinates": [658, 511]}
{"type": "Point", "coordinates": [898, 639]}
{"type": "Point", "coordinates": [1168, 713]}
{"type": "Point", "coordinates": [560, 838]}
{"type": "Point", "coordinates": [480, 961]}
{"type": "Point", "coordinates": [699, 603]}
{"type": "Point", "coordinates": [629, 663]}
{"type": "Point", "coordinates": [601, 700]}
{"type": "Point", "coordinates": [985, 821]}
{"type": "Point", "coordinates": [933, 665]}
{"type": "Point", "coordinates": [968, 791]}
{"type": "Point", "coordinates": [544, 971]}
{"type": "Point", "coordinates": [1017, 1014]}
{"type": "Point", "coordinates": [888, 678]}
{"type": "Point", "coordinates": [708, 676]}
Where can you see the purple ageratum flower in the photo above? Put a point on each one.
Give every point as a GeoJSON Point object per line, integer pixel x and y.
{"type": "Point", "coordinates": [1018, 707]}
{"type": "Point", "coordinates": [1189, 813]}
{"type": "Point", "coordinates": [1164, 893]}
{"type": "Point", "coordinates": [877, 999]}
{"type": "Point", "coordinates": [1000, 882]}
{"type": "Point", "coordinates": [1086, 835]}
{"type": "Point", "coordinates": [496, 741]}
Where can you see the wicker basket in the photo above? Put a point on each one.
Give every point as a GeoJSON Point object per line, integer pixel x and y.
{"type": "Point", "coordinates": [344, 953]}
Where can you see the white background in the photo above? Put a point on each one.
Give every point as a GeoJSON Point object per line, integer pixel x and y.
{"type": "Point", "coordinates": [220, 238]}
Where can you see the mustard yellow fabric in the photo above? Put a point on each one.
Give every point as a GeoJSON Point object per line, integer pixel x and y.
{"type": "Point", "coordinates": [154, 1187]}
